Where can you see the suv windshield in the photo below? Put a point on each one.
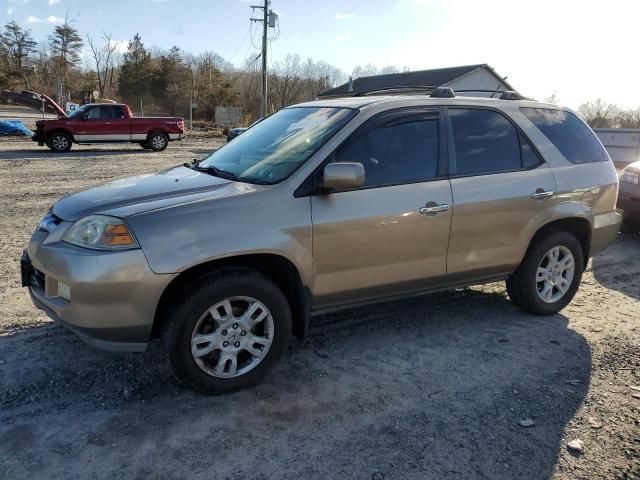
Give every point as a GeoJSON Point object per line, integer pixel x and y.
{"type": "Point", "coordinates": [274, 148]}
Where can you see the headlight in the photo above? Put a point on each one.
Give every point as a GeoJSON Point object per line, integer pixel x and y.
{"type": "Point", "coordinates": [100, 232]}
{"type": "Point", "coordinates": [630, 177]}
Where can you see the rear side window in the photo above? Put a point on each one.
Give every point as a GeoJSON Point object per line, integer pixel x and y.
{"type": "Point", "coordinates": [571, 136]}
{"type": "Point", "coordinates": [403, 151]}
{"type": "Point", "coordinates": [487, 142]}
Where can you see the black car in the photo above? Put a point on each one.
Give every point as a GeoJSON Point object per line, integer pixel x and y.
{"type": "Point", "coordinates": [234, 132]}
{"type": "Point", "coordinates": [25, 98]}
{"type": "Point", "coordinates": [629, 198]}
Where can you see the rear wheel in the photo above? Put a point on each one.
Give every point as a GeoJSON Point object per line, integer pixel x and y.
{"type": "Point", "coordinates": [157, 142]}
{"type": "Point", "coordinates": [228, 332]}
{"type": "Point", "coordinates": [549, 276]}
{"type": "Point", "coordinates": [59, 142]}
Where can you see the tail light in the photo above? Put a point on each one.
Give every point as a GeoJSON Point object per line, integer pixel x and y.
{"type": "Point", "coordinates": [181, 125]}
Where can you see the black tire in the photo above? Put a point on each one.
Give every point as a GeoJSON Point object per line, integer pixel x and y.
{"type": "Point", "coordinates": [59, 142]}
{"type": "Point", "coordinates": [144, 145]}
{"type": "Point", "coordinates": [522, 287]}
{"type": "Point", "coordinates": [630, 224]}
{"type": "Point", "coordinates": [216, 287]}
{"type": "Point", "coordinates": [157, 141]}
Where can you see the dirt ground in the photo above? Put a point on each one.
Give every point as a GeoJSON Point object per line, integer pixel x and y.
{"type": "Point", "coordinates": [430, 388]}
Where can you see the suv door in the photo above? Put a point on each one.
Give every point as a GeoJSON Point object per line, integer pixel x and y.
{"type": "Point", "coordinates": [502, 192]}
{"type": "Point", "coordinates": [389, 236]}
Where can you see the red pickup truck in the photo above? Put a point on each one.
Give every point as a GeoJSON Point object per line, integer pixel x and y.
{"type": "Point", "coordinates": [106, 123]}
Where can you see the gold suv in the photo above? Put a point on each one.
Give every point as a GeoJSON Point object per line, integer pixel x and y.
{"type": "Point", "coordinates": [321, 206]}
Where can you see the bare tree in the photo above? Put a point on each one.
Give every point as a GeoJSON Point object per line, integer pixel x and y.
{"type": "Point", "coordinates": [599, 114]}
{"type": "Point", "coordinates": [286, 81]}
{"type": "Point", "coordinates": [553, 98]}
{"type": "Point", "coordinates": [102, 56]}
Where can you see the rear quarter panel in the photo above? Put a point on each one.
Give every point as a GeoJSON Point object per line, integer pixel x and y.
{"type": "Point", "coordinates": [149, 124]}
{"type": "Point", "coordinates": [586, 190]}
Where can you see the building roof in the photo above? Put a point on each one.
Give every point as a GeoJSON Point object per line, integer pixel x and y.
{"type": "Point", "coordinates": [433, 78]}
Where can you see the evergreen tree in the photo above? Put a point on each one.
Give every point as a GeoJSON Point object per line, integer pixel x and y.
{"type": "Point", "coordinates": [136, 72]}
{"type": "Point", "coordinates": [65, 44]}
{"type": "Point", "coordinates": [16, 45]}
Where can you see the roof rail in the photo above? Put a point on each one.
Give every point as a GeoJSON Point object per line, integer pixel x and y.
{"type": "Point", "coordinates": [398, 87]}
{"type": "Point", "coordinates": [443, 92]}
{"type": "Point", "coordinates": [504, 94]}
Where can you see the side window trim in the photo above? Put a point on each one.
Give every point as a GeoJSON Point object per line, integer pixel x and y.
{"type": "Point", "coordinates": [311, 185]}
{"type": "Point", "coordinates": [521, 135]}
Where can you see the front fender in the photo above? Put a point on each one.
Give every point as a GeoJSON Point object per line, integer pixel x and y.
{"type": "Point", "coordinates": [178, 238]}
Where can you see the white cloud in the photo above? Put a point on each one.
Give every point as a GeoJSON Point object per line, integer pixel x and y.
{"type": "Point", "coordinates": [55, 20]}
{"type": "Point", "coordinates": [32, 19]}
{"type": "Point", "coordinates": [53, 2]}
{"type": "Point", "coordinates": [343, 37]}
{"type": "Point", "coordinates": [10, 11]}
{"type": "Point", "coordinates": [121, 45]}
{"type": "Point", "coordinates": [19, 2]}
{"type": "Point", "coordinates": [343, 16]}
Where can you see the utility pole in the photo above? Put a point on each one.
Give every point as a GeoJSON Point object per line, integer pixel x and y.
{"type": "Point", "coordinates": [265, 25]}
{"type": "Point", "coordinates": [268, 20]}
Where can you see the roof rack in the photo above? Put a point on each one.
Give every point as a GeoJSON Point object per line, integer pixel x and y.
{"type": "Point", "coordinates": [504, 94]}
{"type": "Point", "coordinates": [399, 87]}
{"type": "Point", "coordinates": [443, 92]}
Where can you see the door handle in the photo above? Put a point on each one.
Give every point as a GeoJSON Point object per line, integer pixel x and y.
{"type": "Point", "coordinates": [540, 194]}
{"type": "Point", "coordinates": [434, 208]}
{"type": "Point", "coordinates": [107, 123]}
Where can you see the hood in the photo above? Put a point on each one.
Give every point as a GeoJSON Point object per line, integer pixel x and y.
{"type": "Point", "coordinates": [132, 195]}
{"type": "Point", "coordinates": [633, 166]}
{"type": "Point", "coordinates": [54, 105]}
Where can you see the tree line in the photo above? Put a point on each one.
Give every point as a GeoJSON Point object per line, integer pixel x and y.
{"type": "Point", "coordinates": [166, 81]}
{"type": "Point", "coordinates": [157, 80]}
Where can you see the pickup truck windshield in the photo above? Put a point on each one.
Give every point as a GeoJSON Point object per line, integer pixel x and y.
{"type": "Point", "coordinates": [274, 148]}
{"type": "Point", "coordinates": [79, 111]}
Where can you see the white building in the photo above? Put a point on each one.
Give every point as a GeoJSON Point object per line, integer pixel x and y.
{"type": "Point", "coordinates": [474, 77]}
{"type": "Point", "coordinates": [623, 144]}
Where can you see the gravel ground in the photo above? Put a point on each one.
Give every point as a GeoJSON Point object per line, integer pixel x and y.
{"type": "Point", "coordinates": [459, 385]}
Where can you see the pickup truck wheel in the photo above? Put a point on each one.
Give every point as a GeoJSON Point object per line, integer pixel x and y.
{"type": "Point", "coordinates": [549, 276]}
{"type": "Point", "coordinates": [157, 142]}
{"type": "Point", "coordinates": [144, 145]}
{"type": "Point", "coordinates": [59, 142]}
{"type": "Point", "coordinates": [228, 332]}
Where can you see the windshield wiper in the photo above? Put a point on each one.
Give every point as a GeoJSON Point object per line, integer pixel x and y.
{"type": "Point", "coordinates": [211, 170]}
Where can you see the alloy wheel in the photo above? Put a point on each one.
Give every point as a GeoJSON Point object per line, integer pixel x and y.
{"type": "Point", "coordinates": [555, 274]}
{"type": "Point", "coordinates": [60, 142]}
{"type": "Point", "coordinates": [232, 337]}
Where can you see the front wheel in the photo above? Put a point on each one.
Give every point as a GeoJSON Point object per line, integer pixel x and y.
{"type": "Point", "coordinates": [59, 142]}
{"type": "Point", "coordinates": [549, 276]}
{"type": "Point", "coordinates": [228, 332]}
{"type": "Point", "coordinates": [157, 142]}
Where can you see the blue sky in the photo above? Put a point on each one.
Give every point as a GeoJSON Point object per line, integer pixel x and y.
{"type": "Point", "coordinates": [581, 50]}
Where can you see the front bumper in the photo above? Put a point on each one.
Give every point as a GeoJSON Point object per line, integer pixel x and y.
{"type": "Point", "coordinates": [113, 295]}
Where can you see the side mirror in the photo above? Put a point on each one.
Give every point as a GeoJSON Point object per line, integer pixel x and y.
{"type": "Point", "coordinates": [343, 176]}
